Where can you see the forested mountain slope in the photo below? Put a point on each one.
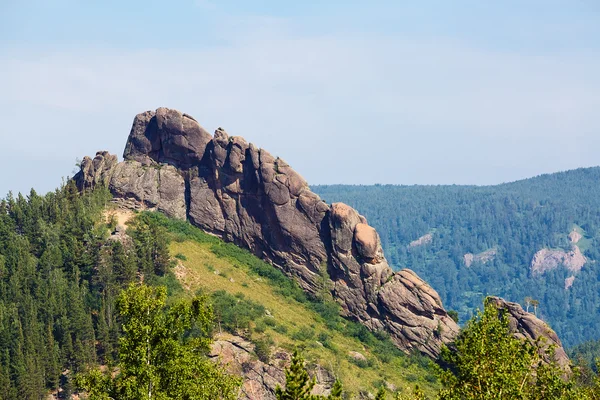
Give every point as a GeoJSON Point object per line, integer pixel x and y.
{"type": "Point", "coordinates": [59, 276]}
{"type": "Point", "coordinates": [537, 238]}
{"type": "Point", "coordinates": [65, 257]}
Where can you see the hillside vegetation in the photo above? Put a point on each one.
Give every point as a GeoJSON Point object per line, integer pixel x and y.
{"type": "Point", "coordinates": [59, 279]}
{"type": "Point", "coordinates": [254, 299]}
{"type": "Point", "coordinates": [502, 227]}
{"type": "Point", "coordinates": [63, 263]}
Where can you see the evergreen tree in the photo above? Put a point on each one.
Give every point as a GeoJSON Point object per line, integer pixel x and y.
{"type": "Point", "coordinates": [299, 385]}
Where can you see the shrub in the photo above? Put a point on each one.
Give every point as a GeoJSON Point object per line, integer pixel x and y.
{"type": "Point", "coordinates": [170, 281]}
{"type": "Point", "coordinates": [359, 362]}
{"type": "Point", "coordinates": [262, 348]}
{"type": "Point", "coordinates": [281, 329]}
{"type": "Point", "coordinates": [454, 315]}
{"type": "Point", "coordinates": [235, 313]}
{"type": "Point", "coordinates": [260, 326]}
{"type": "Point", "coordinates": [303, 334]}
{"type": "Point", "coordinates": [181, 256]}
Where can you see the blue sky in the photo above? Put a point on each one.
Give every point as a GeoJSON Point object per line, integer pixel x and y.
{"type": "Point", "coordinates": [427, 92]}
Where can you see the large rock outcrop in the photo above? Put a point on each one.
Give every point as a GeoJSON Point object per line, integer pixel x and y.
{"type": "Point", "coordinates": [233, 189]}
{"type": "Point", "coordinates": [261, 378]}
{"type": "Point", "coordinates": [525, 325]}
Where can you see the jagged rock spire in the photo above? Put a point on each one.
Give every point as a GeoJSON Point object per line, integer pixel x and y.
{"type": "Point", "coordinates": [231, 188]}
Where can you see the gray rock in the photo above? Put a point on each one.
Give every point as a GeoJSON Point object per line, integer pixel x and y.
{"type": "Point", "coordinates": [166, 136]}
{"type": "Point", "coordinates": [97, 171]}
{"type": "Point", "coordinates": [158, 186]}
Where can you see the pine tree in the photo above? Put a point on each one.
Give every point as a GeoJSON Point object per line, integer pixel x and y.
{"type": "Point", "coordinates": [298, 384]}
{"type": "Point", "coordinates": [380, 394]}
{"type": "Point", "coordinates": [336, 391]}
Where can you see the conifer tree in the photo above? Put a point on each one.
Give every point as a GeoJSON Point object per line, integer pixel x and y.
{"type": "Point", "coordinates": [299, 385]}
{"type": "Point", "coordinates": [380, 394]}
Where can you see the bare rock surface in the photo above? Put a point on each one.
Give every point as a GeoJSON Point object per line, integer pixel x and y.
{"type": "Point", "coordinates": [235, 190]}
{"type": "Point", "coordinates": [483, 257]}
{"type": "Point", "coordinates": [527, 326]}
{"type": "Point", "coordinates": [575, 236]}
{"type": "Point", "coordinates": [259, 378]}
{"type": "Point", "coordinates": [549, 259]}
{"type": "Point", "coordinates": [569, 282]}
{"type": "Point", "coordinates": [423, 240]}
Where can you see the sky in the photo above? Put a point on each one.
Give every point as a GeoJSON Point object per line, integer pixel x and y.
{"type": "Point", "coordinates": [356, 92]}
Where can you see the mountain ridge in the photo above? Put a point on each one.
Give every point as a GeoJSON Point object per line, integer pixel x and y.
{"type": "Point", "coordinates": [520, 219]}
{"type": "Point", "coordinates": [232, 189]}
{"type": "Point", "coordinates": [545, 175]}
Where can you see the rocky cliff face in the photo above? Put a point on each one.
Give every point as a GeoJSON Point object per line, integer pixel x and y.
{"type": "Point", "coordinates": [231, 188]}
{"type": "Point", "coordinates": [527, 326]}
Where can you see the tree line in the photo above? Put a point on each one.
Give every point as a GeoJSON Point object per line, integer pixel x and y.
{"type": "Point", "coordinates": [515, 220]}
{"type": "Point", "coordinates": [60, 276]}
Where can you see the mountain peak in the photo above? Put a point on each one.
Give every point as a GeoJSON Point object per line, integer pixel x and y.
{"type": "Point", "coordinates": [230, 188]}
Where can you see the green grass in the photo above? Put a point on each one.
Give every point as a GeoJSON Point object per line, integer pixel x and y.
{"type": "Point", "coordinates": [585, 242]}
{"type": "Point", "coordinates": [280, 314]}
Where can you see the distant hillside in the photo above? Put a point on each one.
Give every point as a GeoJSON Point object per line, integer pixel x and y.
{"type": "Point", "coordinates": [536, 238]}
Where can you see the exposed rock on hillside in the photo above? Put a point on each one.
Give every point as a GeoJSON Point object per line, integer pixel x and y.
{"type": "Point", "coordinates": [547, 259]}
{"type": "Point", "coordinates": [525, 325]}
{"type": "Point", "coordinates": [423, 240]}
{"type": "Point", "coordinates": [260, 379]}
{"type": "Point", "coordinates": [575, 236]}
{"type": "Point", "coordinates": [483, 257]}
{"type": "Point", "coordinates": [231, 188]}
{"type": "Point", "coordinates": [569, 282]}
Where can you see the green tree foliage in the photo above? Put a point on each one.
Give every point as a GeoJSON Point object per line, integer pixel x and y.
{"type": "Point", "coordinates": [162, 352]}
{"type": "Point", "coordinates": [59, 279]}
{"type": "Point", "coordinates": [586, 354]}
{"type": "Point", "coordinates": [515, 219]}
{"type": "Point", "coordinates": [489, 363]}
{"type": "Point", "coordinates": [234, 313]}
{"type": "Point", "coordinates": [152, 245]}
{"type": "Point", "coordinates": [48, 253]}
{"type": "Point", "coordinates": [299, 385]}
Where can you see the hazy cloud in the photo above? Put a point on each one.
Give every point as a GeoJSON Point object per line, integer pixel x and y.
{"type": "Point", "coordinates": [340, 108]}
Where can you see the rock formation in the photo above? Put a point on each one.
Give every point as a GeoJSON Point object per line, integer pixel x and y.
{"type": "Point", "coordinates": [575, 237]}
{"type": "Point", "coordinates": [527, 326]}
{"type": "Point", "coordinates": [259, 378]}
{"type": "Point", "coordinates": [548, 259]}
{"type": "Point", "coordinates": [231, 188]}
{"type": "Point", "coordinates": [423, 240]}
{"type": "Point", "coordinates": [483, 257]}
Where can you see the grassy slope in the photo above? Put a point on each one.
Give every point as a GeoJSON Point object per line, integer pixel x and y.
{"type": "Point", "coordinates": [208, 270]}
